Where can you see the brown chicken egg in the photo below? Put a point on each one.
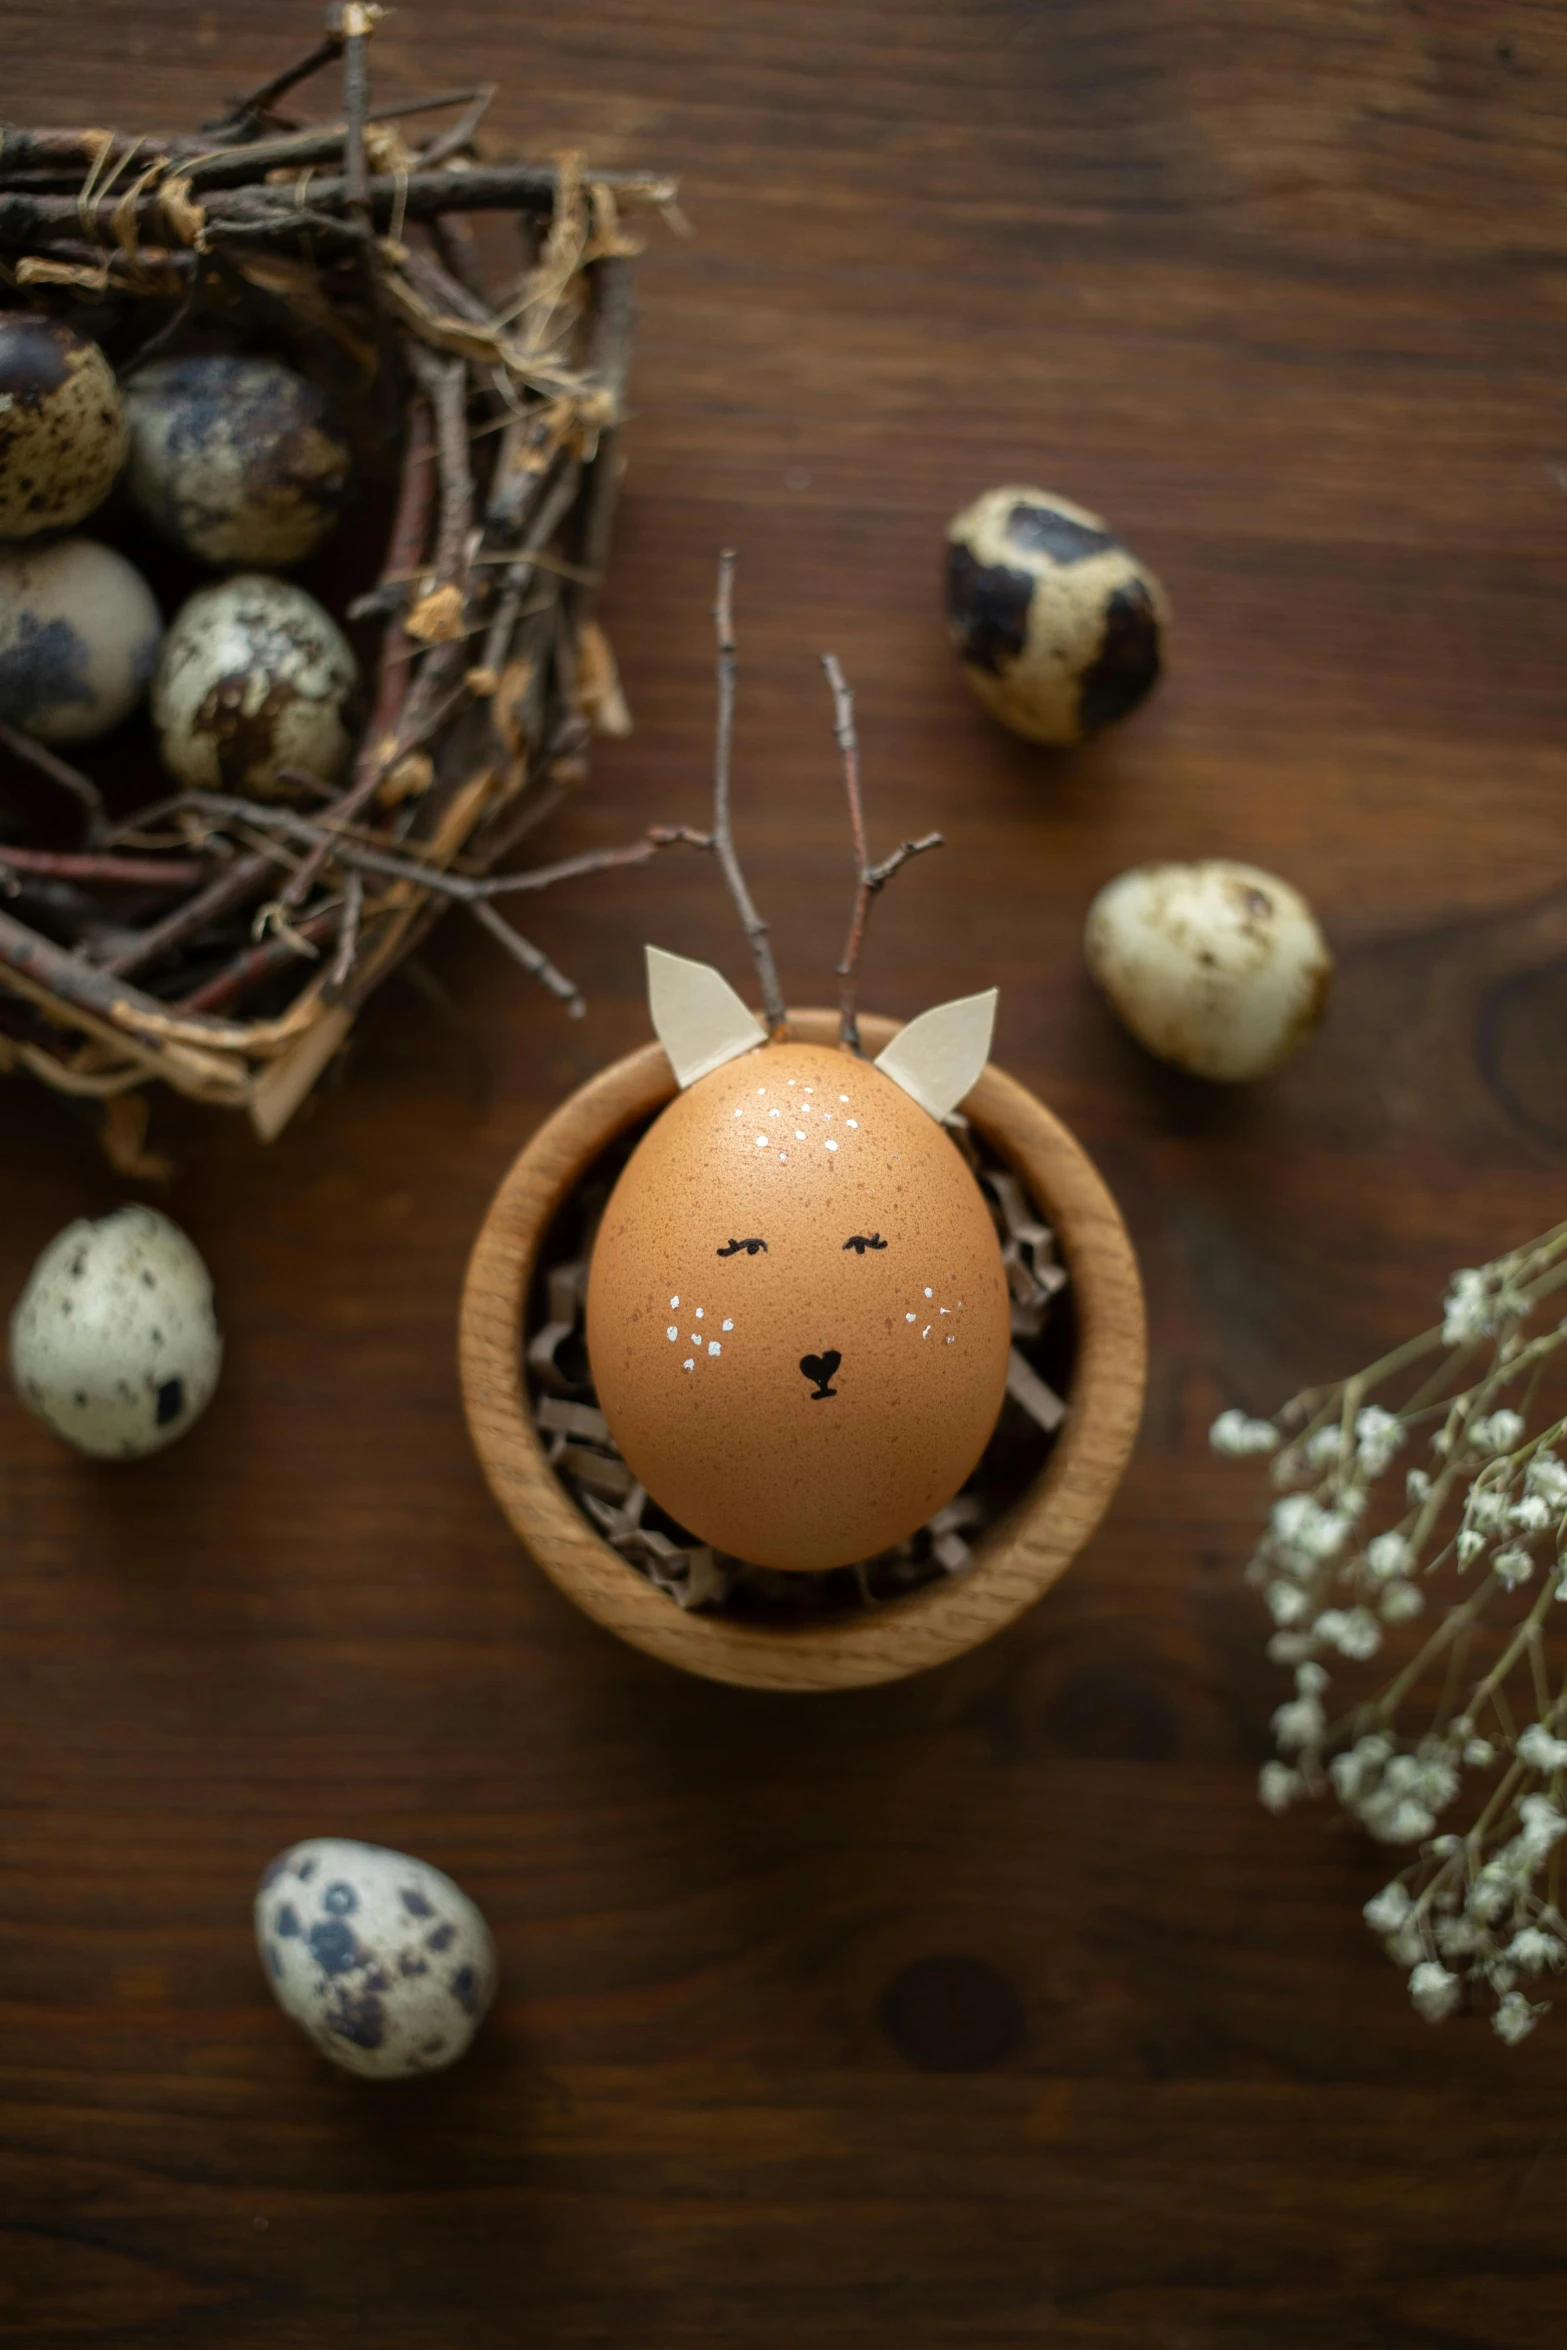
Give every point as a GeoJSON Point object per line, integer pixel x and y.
{"type": "Point", "coordinates": [797, 1312]}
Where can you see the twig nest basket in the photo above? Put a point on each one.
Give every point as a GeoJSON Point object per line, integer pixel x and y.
{"type": "Point", "coordinates": [284, 311]}
{"type": "Point", "coordinates": [1017, 1559]}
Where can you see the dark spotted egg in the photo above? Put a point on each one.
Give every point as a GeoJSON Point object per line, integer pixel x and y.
{"type": "Point", "coordinates": [62, 433]}
{"type": "Point", "coordinates": [79, 634]}
{"type": "Point", "coordinates": [234, 459]}
{"type": "Point", "coordinates": [379, 1958]}
{"type": "Point", "coordinates": [115, 1340]}
{"type": "Point", "coordinates": [1059, 627]}
{"type": "Point", "coordinates": [254, 677]}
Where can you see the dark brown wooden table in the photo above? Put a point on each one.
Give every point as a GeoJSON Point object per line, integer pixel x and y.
{"type": "Point", "coordinates": [1281, 291]}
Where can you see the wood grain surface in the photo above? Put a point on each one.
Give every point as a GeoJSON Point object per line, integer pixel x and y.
{"type": "Point", "coordinates": [986, 2009]}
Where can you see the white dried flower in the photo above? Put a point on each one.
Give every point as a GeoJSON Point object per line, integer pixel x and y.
{"type": "Point", "coordinates": [1512, 1566]}
{"type": "Point", "coordinates": [1515, 2018]}
{"type": "Point", "coordinates": [1487, 1508]}
{"type": "Point", "coordinates": [1386, 1911]}
{"type": "Point", "coordinates": [1311, 1679]}
{"type": "Point", "coordinates": [1478, 1752]}
{"type": "Point", "coordinates": [1433, 1990]}
{"type": "Point", "coordinates": [1378, 1436]}
{"type": "Point", "coordinates": [1417, 1485]}
{"type": "Point", "coordinates": [1533, 1950]}
{"type": "Point", "coordinates": [1396, 1819]}
{"type": "Point", "coordinates": [1323, 1447]}
{"type": "Point", "coordinates": [1542, 1822]}
{"type": "Point", "coordinates": [1499, 1432]}
{"type": "Point", "coordinates": [1387, 1554]}
{"type": "Point", "coordinates": [1458, 1937]}
{"type": "Point", "coordinates": [1239, 1437]}
{"type": "Point", "coordinates": [1466, 1312]}
{"type": "Point", "coordinates": [1469, 1546]}
{"type": "Point", "coordinates": [1402, 1602]}
{"type": "Point", "coordinates": [1536, 1747]}
{"type": "Point", "coordinates": [1531, 1513]}
{"type": "Point", "coordinates": [1287, 1648]}
{"type": "Point", "coordinates": [1546, 1476]}
{"type": "Point", "coordinates": [1354, 1632]}
{"type": "Point", "coordinates": [1287, 1603]}
{"type": "Point", "coordinates": [1278, 1786]}
{"type": "Point", "coordinates": [1299, 1724]}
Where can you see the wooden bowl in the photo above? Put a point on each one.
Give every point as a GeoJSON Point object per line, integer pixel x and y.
{"type": "Point", "coordinates": [1018, 1558]}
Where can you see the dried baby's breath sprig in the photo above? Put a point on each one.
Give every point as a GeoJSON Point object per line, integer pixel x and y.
{"type": "Point", "coordinates": [1474, 1723]}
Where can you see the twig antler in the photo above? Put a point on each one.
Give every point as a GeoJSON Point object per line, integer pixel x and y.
{"type": "Point", "coordinates": [720, 841]}
{"type": "Point", "coordinates": [872, 879]}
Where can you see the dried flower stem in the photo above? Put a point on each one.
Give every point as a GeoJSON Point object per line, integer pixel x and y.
{"type": "Point", "coordinates": [871, 879]}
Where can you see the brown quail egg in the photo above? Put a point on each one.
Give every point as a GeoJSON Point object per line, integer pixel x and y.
{"type": "Point", "coordinates": [379, 1958]}
{"type": "Point", "coordinates": [79, 635]}
{"type": "Point", "coordinates": [62, 435]}
{"type": "Point", "coordinates": [115, 1340]}
{"type": "Point", "coordinates": [234, 459]}
{"type": "Point", "coordinates": [1059, 627]}
{"type": "Point", "coordinates": [254, 676]}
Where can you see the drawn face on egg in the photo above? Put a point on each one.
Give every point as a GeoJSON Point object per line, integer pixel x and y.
{"type": "Point", "coordinates": [797, 1311]}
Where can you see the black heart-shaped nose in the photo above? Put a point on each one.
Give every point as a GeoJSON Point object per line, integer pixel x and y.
{"type": "Point", "coordinates": [821, 1368]}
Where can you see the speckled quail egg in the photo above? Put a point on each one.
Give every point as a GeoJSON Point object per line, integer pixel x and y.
{"type": "Point", "coordinates": [254, 677]}
{"type": "Point", "coordinates": [115, 1340]}
{"type": "Point", "coordinates": [380, 1959]}
{"type": "Point", "coordinates": [62, 434]}
{"type": "Point", "coordinates": [234, 459]}
{"type": "Point", "coordinates": [79, 634]}
{"type": "Point", "coordinates": [1219, 967]}
{"type": "Point", "coordinates": [1059, 627]}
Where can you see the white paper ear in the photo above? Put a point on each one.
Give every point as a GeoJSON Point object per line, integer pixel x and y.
{"type": "Point", "coordinates": [701, 1022]}
{"type": "Point", "coordinates": [939, 1056]}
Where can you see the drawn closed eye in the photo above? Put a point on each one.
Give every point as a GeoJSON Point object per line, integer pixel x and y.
{"type": "Point", "coordinates": [750, 1246]}
{"type": "Point", "coordinates": [862, 1241]}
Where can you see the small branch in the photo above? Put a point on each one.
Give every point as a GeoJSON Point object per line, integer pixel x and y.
{"type": "Point", "coordinates": [43, 761]}
{"type": "Point", "coordinates": [457, 139]}
{"type": "Point", "coordinates": [117, 872]}
{"type": "Point", "coordinates": [347, 938]}
{"type": "Point", "coordinates": [722, 839]}
{"type": "Point", "coordinates": [261, 101]}
{"type": "Point", "coordinates": [523, 951]}
{"type": "Point", "coordinates": [358, 23]}
{"type": "Point", "coordinates": [871, 879]}
{"type": "Point", "coordinates": [244, 879]}
{"type": "Point", "coordinates": [254, 964]}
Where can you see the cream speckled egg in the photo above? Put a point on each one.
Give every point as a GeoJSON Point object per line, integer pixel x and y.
{"type": "Point", "coordinates": [79, 634]}
{"type": "Point", "coordinates": [379, 1958]}
{"type": "Point", "coordinates": [1218, 967]}
{"type": "Point", "coordinates": [1059, 627]}
{"type": "Point", "coordinates": [62, 434]}
{"type": "Point", "coordinates": [115, 1340]}
{"type": "Point", "coordinates": [234, 459]}
{"type": "Point", "coordinates": [797, 1312]}
{"type": "Point", "coordinates": [254, 676]}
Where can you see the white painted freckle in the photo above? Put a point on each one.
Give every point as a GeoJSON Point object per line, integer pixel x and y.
{"type": "Point", "coordinates": [696, 1338]}
{"type": "Point", "coordinates": [783, 1158]}
{"type": "Point", "coordinates": [810, 1089]}
{"type": "Point", "coordinates": [673, 1331]}
{"type": "Point", "coordinates": [831, 1145]}
{"type": "Point", "coordinates": [843, 1097]}
{"type": "Point", "coordinates": [930, 1293]}
{"type": "Point", "coordinates": [925, 1333]}
{"type": "Point", "coordinates": [799, 1134]}
{"type": "Point", "coordinates": [951, 1338]}
{"type": "Point", "coordinates": [713, 1347]}
{"type": "Point", "coordinates": [910, 1317]}
{"type": "Point", "coordinates": [761, 1142]}
{"type": "Point", "coordinates": [688, 1364]}
{"type": "Point", "coordinates": [674, 1301]}
{"type": "Point", "coordinates": [854, 1122]}
{"type": "Point", "coordinates": [728, 1325]}
{"type": "Point", "coordinates": [697, 1310]}
{"type": "Point", "coordinates": [740, 1113]}
{"type": "Point", "coordinates": [761, 1089]}
{"type": "Point", "coordinates": [772, 1113]}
